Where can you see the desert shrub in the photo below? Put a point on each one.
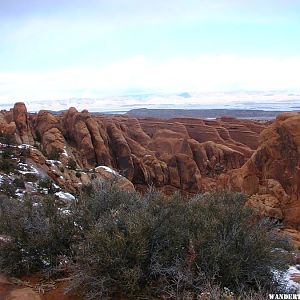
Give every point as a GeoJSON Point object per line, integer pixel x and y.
{"type": "Point", "coordinates": [46, 183]}
{"type": "Point", "coordinates": [72, 164]}
{"type": "Point", "coordinates": [55, 154]}
{"type": "Point", "coordinates": [32, 177]}
{"type": "Point", "coordinates": [8, 188]}
{"type": "Point", "coordinates": [38, 146]}
{"type": "Point", "coordinates": [7, 139]}
{"type": "Point", "coordinates": [38, 234]}
{"type": "Point", "coordinates": [145, 246]}
{"type": "Point", "coordinates": [7, 165]}
{"type": "Point", "coordinates": [24, 153]}
{"type": "Point", "coordinates": [78, 174]}
{"type": "Point", "coordinates": [87, 189]}
{"type": "Point", "coordinates": [232, 245]}
{"type": "Point", "coordinates": [98, 199]}
{"type": "Point", "coordinates": [117, 249]}
{"type": "Point", "coordinates": [7, 153]}
{"type": "Point", "coordinates": [156, 246]}
{"type": "Point", "coordinates": [19, 183]}
{"type": "Point", "coordinates": [38, 136]}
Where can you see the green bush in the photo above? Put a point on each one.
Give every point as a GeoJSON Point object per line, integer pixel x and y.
{"type": "Point", "coordinates": [153, 246]}
{"type": "Point", "coordinates": [46, 183]}
{"type": "Point", "coordinates": [123, 243]}
{"type": "Point", "coordinates": [39, 233]}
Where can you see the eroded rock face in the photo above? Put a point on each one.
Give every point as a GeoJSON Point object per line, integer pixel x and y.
{"type": "Point", "coordinates": [190, 155]}
{"type": "Point", "coordinates": [23, 128]}
{"type": "Point", "coordinates": [185, 154]}
{"type": "Point", "coordinates": [272, 175]}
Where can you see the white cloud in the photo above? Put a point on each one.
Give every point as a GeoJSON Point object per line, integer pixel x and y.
{"type": "Point", "coordinates": [206, 73]}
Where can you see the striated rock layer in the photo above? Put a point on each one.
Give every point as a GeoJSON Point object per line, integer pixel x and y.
{"type": "Point", "coordinates": [191, 155]}
{"type": "Point", "coordinates": [185, 154]}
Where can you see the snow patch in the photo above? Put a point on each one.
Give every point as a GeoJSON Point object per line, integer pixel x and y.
{"type": "Point", "coordinates": [108, 169]}
{"type": "Point", "coordinates": [4, 238]}
{"type": "Point", "coordinates": [52, 162]}
{"type": "Point", "coordinates": [27, 169]}
{"type": "Point", "coordinates": [24, 146]}
{"type": "Point", "coordinates": [285, 279]}
{"type": "Point", "coordinates": [293, 271]}
{"type": "Point", "coordinates": [65, 196]}
{"type": "Point", "coordinates": [65, 153]}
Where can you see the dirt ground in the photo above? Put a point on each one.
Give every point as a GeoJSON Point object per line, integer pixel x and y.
{"type": "Point", "coordinates": [11, 289]}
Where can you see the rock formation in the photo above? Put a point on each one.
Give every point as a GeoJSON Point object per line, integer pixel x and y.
{"type": "Point", "coordinates": [272, 175]}
{"type": "Point", "coordinates": [185, 154]}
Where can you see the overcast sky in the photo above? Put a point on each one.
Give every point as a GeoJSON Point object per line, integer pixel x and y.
{"type": "Point", "coordinates": [57, 49]}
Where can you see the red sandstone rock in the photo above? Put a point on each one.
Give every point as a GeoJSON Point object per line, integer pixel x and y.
{"type": "Point", "coordinates": [185, 154]}
{"type": "Point", "coordinates": [272, 174]}
{"type": "Point", "coordinates": [23, 129]}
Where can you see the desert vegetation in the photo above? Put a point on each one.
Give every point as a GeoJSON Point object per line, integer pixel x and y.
{"type": "Point", "coordinates": [114, 242]}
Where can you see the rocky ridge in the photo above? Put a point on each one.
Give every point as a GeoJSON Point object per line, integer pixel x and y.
{"type": "Point", "coordinates": [186, 154]}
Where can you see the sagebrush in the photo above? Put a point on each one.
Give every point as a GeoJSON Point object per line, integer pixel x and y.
{"type": "Point", "coordinates": [124, 243]}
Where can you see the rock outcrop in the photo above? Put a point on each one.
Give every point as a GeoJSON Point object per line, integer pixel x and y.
{"type": "Point", "coordinates": [185, 154]}
{"type": "Point", "coordinates": [272, 175]}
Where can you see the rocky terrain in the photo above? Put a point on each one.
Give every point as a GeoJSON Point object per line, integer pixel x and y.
{"type": "Point", "coordinates": [186, 154]}
{"type": "Point", "coordinates": [62, 153]}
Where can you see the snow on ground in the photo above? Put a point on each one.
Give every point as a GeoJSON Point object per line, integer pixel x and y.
{"type": "Point", "coordinates": [292, 272]}
{"type": "Point", "coordinates": [65, 196]}
{"type": "Point", "coordinates": [53, 162]}
{"type": "Point", "coordinates": [65, 153]}
{"type": "Point", "coordinates": [4, 238]}
{"type": "Point", "coordinates": [286, 281]}
{"type": "Point", "coordinates": [27, 169]}
{"type": "Point", "coordinates": [108, 169]}
{"type": "Point", "coordinates": [24, 146]}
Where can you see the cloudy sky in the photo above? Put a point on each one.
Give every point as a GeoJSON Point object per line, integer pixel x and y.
{"type": "Point", "coordinates": [59, 49]}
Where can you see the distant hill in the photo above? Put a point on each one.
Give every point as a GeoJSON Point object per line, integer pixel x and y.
{"type": "Point", "coordinates": [203, 113]}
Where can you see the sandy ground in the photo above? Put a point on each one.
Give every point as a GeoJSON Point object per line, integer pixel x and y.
{"type": "Point", "coordinates": [16, 291]}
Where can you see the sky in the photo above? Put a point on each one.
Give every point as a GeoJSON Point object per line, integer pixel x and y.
{"type": "Point", "coordinates": [52, 49]}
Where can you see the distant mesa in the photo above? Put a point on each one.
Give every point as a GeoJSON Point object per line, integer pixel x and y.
{"type": "Point", "coordinates": [203, 113]}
